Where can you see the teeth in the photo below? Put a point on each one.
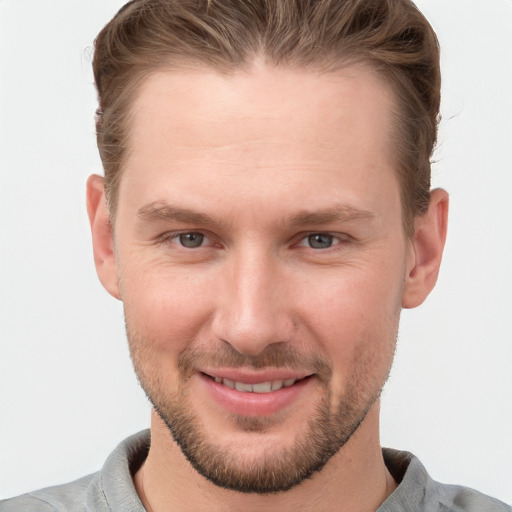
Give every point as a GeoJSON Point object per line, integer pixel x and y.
{"type": "Point", "coordinates": [240, 386]}
{"type": "Point", "coordinates": [277, 384]}
{"type": "Point", "coordinates": [260, 387]}
{"type": "Point", "coordinates": [229, 383]}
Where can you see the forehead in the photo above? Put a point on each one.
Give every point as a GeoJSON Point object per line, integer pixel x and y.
{"type": "Point", "coordinates": [204, 105]}
{"type": "Point", "coordinates": [263, 130]}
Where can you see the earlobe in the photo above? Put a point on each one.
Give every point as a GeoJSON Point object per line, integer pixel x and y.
{"type": "Point", "coordinates": [102, 239]}
{"type": "Point", "coordinates": [427, 247]}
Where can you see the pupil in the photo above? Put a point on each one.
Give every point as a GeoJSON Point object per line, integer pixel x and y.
{"type": "Point", "coordinates": [191, 240]}
{"type": "Point", "coordinates": [320, 241]}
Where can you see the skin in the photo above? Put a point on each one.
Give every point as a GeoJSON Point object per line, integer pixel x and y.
{"type": "Point", "coordinates": [268, 157]}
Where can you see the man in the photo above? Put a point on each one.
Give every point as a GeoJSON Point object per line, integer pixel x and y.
{"type": "Point", "coordinates": [265, 215]}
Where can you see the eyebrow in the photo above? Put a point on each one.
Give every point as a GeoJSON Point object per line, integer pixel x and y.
{"type": "Point", "coordinates": [162, 211]}
{"type": "Point", "coordinates": [340, 213]}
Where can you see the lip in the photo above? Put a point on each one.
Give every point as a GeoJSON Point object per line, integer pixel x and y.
{"type": "Point", "coordinates": [254, 376]}
{"type": "Point", "coordinates": [254, 404]}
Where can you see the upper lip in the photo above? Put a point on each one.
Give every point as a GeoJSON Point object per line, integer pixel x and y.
{"type": "Point", "coordinates": [249, 376]}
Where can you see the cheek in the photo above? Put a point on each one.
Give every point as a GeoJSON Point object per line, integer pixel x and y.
{"type": "Point", "coordinates": [166, 307]}
{"type": "Point", "coordinates": [353, 316]}
{"type": "Point", "coordinates": [351, 299]}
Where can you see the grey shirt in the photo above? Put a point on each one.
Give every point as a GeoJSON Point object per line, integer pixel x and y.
{"type": "Point", "coordinates": [112, 489]}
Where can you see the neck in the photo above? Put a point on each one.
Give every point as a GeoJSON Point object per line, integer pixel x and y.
{"type": "Point", "coordinates": [355, 479]}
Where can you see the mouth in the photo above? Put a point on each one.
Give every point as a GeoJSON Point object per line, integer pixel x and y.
{"type": "Point", "coordinates": [245, 392]}
{"type": "Point", "coordinates": [257, 387]}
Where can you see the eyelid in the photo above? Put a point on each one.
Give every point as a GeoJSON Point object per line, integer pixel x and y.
{"type": "Point", "coordinates": [338, 238]}
{"type": "Point", "coordinates": [211, 240]}
{"type": "Point", "coordinates": [173, 236]}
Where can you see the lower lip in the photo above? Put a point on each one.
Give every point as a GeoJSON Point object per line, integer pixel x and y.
{"type": "Point", "coordinates": [254, 404]}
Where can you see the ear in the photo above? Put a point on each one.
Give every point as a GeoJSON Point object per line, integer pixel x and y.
{"type": "Point", "coordinates": [427, 247]}
{"type": "Point", "coordinates": [102, 238]}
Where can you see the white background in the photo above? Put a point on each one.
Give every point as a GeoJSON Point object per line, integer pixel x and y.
{"type": "Point", "coordinates": [67, 392]}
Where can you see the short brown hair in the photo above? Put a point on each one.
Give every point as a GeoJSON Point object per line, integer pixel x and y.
{"type": "Point", "coordinates": [227, 35]}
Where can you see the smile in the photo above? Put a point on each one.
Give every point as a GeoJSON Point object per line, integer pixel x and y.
{"type": "Point", "coordinates": [255, 394]}
{"type": "Point", "coordinates": [260, 387]}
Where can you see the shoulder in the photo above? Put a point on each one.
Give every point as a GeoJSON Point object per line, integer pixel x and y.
{"type": "Point", "coordinates": [463, 499]}
{"type": "Point", "coordinates": [417, 491]}
{"type": "Point", "coordinates": [70, 497]}
{"type": "Point", "coordinates": [109, 489]}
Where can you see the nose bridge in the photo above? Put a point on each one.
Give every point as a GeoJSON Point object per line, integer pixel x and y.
{"type": "Point", "coordinates": [253, 312]}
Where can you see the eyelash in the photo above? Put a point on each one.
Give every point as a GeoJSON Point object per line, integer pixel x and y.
{"type": "Point", "coordinates": [336, 239]}
{"type": "Point", "coordinates": [331, 236]}
{"type": "Point", "coordinates": [174, 237]}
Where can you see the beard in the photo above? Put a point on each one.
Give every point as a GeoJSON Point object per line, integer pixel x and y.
{"type": "Point", "coordinates": [275, 470]}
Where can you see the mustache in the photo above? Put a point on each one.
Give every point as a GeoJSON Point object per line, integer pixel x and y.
{"type": "Point", "coordinates": [278, 355]}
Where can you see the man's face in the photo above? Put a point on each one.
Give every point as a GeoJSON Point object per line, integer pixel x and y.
{"type": "Point", "coordinates": [259, 245]}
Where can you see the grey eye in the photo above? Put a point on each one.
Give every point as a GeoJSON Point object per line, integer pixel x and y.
{"type": "Point", "coordinates": [191, 240]}
{"type": "Point", "coordinates": [320, 241]}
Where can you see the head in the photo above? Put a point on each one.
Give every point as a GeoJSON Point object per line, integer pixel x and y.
{"type": "Point", "coordinates": [269, 214]}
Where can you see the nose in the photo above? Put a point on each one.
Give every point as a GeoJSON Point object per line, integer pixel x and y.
{"type": "Point", "coordinates": [253, 308]}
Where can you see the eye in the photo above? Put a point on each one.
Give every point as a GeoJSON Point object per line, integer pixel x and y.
{"type": "Point", "coordinates": [319, 241]}
{"type": "Point", "coordinates": [191, 240]}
